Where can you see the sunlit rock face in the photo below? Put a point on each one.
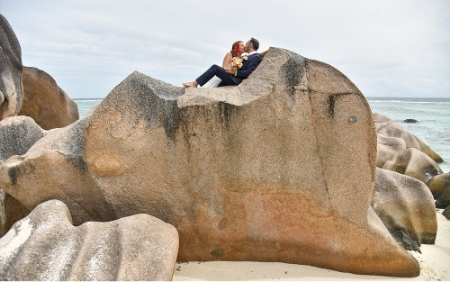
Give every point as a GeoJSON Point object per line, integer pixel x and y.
{"type": "Point", "coordinates": [389, 128]}
{"type": "Point", "coordinates": [46, 246]}
{"type": "Point", "coordinates": [439, 184]}
{"type": "Point", "coordinates": [403, 154]}
{"type": "Point", "coordinates": [45, 101]}
{"type": "Point", "coordinates": [406, 207]}
{"type": "Point", "coordinates": [279, 168]}
{"type": "Point", "coordinates": [10, 71]}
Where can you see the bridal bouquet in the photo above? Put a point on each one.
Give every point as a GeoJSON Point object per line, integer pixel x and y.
{"type": "Point", "coordinates": [236, 63]}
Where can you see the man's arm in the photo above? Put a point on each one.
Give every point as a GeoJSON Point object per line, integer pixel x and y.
{"type": "Point", "coordinates": [249, 66]}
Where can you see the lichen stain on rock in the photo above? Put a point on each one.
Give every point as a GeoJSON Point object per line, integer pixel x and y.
{"type": "Point", "coordinates": [293, 71]}
{"type": "Point", "coordinates": [77, 162]}
{"type": "Point", "coordinates": [226, 112]}
{"type": "Point", "coordinates": [170, 118]}
{"type": "Point", "coordinates": [16, 171]}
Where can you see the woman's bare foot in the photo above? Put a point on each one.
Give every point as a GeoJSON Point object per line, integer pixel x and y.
{"type": "Point", "coordinates": [191, 84]}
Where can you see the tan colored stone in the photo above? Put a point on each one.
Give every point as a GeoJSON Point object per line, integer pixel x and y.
{"type": "Point", "coordinates": [17, 135]}
{"type": "Point", "coordinates": [390, 128]}
{"type": "Point", "coordinates": [279, 168]}
{"type": "Point", "coordinates": [11, 211]}
{"type": "Point", "coordinates": [392, 154]}
{"type": "Point", "coordinates": [46, 246]}
{"type": "Point", "coordinates": [438, 184]}
{"type": "Point", "coordinates": [406, 207]}
{"type": "Point", "coordinates": [45, 101]}
{"type": "Point", "coordinates": [444, 199]}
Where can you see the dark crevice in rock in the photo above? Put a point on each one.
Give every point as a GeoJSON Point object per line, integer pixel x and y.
{"type": "Point", "coordinates": [402, 237]}
{"type": "Point", "coordinates": [332, 101]}
{"type": "Point", "coordinates": [313, 114]}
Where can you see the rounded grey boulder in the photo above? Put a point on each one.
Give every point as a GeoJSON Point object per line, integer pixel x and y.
{"type": "Point", "coordinates": [46, 246]}
{"type": "Point", "coordinates": [17, 135]}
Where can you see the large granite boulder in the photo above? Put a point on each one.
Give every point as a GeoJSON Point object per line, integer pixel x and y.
{"type": "Point", "coordinates": [279, 168]}
{"type": "Point", "coordinates": [46, 246]}
{"type": "Point", "coordinates": [45, 101]}
{"type": "Point", "coordinates": [17, 135]}
{"type": "Point", "coordinates": [393, 154]}
{"type": "Point", "coordinates": [438, 184]}
{"type": "Point", "coordinates": [390, 128]}
{"type": "Point", "coordinates": [406, 207]}
{"type": "Point", "coordinates": [10, 71]}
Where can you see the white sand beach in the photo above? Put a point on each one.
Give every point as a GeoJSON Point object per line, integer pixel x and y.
{"type": "Point", "coordinates": [434, 262]}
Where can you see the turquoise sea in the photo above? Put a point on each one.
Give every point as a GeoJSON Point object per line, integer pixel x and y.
{"type": "Point", "coordinates": [433, 115]}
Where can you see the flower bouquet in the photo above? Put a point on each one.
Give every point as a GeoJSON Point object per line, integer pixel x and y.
{"type": "Point", "coordinates": [236, 63]}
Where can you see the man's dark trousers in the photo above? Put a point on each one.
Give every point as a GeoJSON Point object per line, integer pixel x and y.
{"type": "Point", "coordinates": [215, 70]}
{"type": "Point", "coordinates": [248, 66]}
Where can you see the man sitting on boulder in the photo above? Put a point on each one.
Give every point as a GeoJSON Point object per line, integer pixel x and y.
{"type": "Point", "coordinates": [229, 75]}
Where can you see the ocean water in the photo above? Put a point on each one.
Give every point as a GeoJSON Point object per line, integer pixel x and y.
{"type": "Point", "coordinates": [433, 115]}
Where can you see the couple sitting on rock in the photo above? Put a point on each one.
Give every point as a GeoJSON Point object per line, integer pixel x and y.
{"type": "Point", "coordinates": [238, 64]}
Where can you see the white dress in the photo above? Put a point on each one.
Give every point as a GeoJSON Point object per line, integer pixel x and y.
{"type": "Point", "coordinates": [212, 83]}
{"type": "Point", "coordinates": [215, 81]}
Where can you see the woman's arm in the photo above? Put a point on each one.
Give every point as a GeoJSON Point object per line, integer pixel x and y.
{"type": "Point", "coordinates": [227, 60]}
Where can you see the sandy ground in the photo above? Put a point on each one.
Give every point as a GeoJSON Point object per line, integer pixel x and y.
{"type": "Point", "coordinates": [434, 262]}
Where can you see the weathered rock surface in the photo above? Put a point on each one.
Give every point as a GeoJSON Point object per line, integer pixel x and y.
{"type": "Point", "coordinates": [444, 200]}
{"type": "Point", "coordinates": [438, 184]}
{"type": "Point", "coordinates": [17, 135]}
{"type": "Point", "coordinates": [393, 154]}
{"type": "Point", "coordinates": [406, 207]}
{"type": "Point", "coordinates": [279, 168]}
{"type": "Point", "coordinates": [10, 71]}
{"type": "Point", "coordinates": [390, 128]}
{"type": "Point", "coordinates": [446, 212]}
{"type": "Point", "coordinates": [11, 211]}
{"type": "Point", "coordinates": [46, 246]}
{"type": "Point", "coordinates": [45, 101]}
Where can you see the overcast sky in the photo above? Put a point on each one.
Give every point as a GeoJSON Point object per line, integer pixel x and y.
{"type": "Point", "coordinates": [386, 47]}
